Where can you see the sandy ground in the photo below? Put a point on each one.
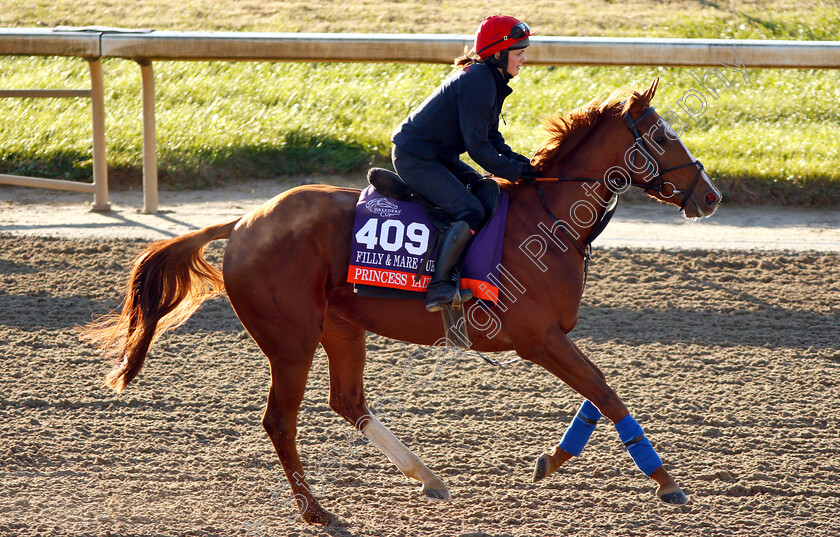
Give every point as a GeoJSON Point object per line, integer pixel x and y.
{"type": "Point", "coordinates": [728, 358]}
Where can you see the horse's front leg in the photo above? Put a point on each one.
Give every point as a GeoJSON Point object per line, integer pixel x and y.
{"type": "Point", "coordinates": [576, 436]}
{"type": "Point", "coordinates": [572, 443]}
{"type": "Point", "coordinates": [556, 352]}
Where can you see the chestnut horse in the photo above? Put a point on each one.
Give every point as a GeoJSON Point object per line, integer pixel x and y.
{"type": "Point", "coordinates": [285, 273]}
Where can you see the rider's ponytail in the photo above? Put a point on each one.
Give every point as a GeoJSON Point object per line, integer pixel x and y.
{"type": "Point", "coordinates": [469, 58]}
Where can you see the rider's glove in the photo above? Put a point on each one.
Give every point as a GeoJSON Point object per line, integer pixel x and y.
{"type": "Point", "coordinates": [529, 175]}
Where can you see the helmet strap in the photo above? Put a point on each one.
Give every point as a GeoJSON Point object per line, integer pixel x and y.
{"type": "Point", "coordinates": [500, 63]}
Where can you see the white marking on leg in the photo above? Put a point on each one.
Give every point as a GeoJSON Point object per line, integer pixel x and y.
{"type": "Point", "coordinates": [409, 464]}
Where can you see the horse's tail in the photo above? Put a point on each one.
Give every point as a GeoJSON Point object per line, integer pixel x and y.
{"type": "Point", "coordinates": [169, 281]}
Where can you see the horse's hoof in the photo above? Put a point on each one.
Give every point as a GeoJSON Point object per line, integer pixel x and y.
{"type": "Point", "coordinates": [541, 467]}
{"type": "Point", "coordinates": [319, 516]}
{"type": "Point", "coordinates": [677, 497]}
{"type": "Point", "coordinates": [437, 494]}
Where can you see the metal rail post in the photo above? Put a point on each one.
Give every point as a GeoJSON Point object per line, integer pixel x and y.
{"type": "Point", "coordinates": [100, 164]}
{"type": "Point", "coordinates": [150, 177]}
{"type": "Point", "coordinates": [99, 186]}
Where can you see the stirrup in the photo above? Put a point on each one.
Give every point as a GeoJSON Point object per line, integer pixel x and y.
{"type": "Point", "coordinates": [461, 297]}
{"type": "Point", "coordinates": [437, 305]}
{"type": "Point", "coordinates": [456, 300]}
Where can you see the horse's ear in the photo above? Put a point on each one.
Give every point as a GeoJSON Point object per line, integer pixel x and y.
{"type": "Point", "coordinates": [640, 101]}
{"type": "Point", "coordinates": [647, 96]}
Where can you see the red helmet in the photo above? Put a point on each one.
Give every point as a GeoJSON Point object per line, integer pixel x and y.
{"type": "Point", "coordinates": [500, 32]}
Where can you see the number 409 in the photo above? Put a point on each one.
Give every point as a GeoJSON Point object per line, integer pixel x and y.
{"type": "Point", "coordinates": [392, 236]}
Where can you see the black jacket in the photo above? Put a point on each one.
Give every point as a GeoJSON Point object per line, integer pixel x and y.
{"type": "Point", "coordinates": [462, 115]}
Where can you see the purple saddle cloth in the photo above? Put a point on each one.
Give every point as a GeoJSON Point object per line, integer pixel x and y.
{"type": "Point", "coordinates": [394, 241]}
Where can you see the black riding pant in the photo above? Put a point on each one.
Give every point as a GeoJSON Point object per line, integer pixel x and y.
{"type": "Point", "coordinates": [441, 184]}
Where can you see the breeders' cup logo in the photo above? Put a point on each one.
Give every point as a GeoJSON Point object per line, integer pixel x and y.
{"type": "Point", "coordinates": [383, 207]}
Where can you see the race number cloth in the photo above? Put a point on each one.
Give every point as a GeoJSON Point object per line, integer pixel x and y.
{"type": "Point", "coordinates": [391, 237]}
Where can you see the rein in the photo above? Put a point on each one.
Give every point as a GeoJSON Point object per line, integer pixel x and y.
{"type": "Point", "coordinates": [586, 249]}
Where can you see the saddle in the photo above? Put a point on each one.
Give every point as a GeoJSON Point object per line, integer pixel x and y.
{"type": "Point", "coordinates": [389, 184]}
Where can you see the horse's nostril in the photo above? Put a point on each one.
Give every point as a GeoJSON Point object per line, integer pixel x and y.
{"type": "Point", "coordinates": [711, 199]}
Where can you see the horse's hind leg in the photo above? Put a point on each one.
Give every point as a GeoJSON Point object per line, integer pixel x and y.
{"type": "Point", "coordinates": [344, 344]}
{"type": "Point", "coordinates": [280, 422]}
{"type": "Point", "coordinates": [289, 341]}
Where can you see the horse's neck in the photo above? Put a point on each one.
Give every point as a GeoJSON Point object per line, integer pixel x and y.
{"type": "Point", "coordinates": [591, 157]}
{"type": "Point", "coordinates": [596, 152]}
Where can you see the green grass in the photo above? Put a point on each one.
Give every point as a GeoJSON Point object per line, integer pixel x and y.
{"type": "Point", "coordinates": [772, 139]}
{"type": "Point", "coordinates": [774, 19]}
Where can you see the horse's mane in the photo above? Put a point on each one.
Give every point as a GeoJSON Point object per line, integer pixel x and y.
{"type": "Point", "coordinates": [566, 130]}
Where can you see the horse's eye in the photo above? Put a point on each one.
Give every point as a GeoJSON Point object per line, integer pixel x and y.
{"type": "Point", "coordinates": [661, 140]}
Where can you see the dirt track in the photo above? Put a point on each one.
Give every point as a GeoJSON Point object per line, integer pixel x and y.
{"type": "Point", "coordinates": [729, 360]}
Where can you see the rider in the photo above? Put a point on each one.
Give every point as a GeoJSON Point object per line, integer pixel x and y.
{"type": "Point", "coordinates": [462, 115]}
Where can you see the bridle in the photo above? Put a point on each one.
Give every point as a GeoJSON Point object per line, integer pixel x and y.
{"type": "Point", "coordinates": [656, 184]}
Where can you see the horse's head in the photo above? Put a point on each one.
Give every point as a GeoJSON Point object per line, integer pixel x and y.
{"type": "Point", "coordinates": [657, 160]}
{"type": "Point", "coordinates": [624, 143]}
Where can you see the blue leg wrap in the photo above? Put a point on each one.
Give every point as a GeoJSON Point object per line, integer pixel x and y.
{"type": "Point", "coordinates": [579, 431]}
{"type": "Point", "coordinates": [637, 444]}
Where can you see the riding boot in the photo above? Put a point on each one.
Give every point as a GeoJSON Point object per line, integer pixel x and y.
{"type": "Point", "coordinates": [442, 288]}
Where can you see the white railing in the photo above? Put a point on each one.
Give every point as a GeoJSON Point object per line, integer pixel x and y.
{"type": "Point", "coordinates": [145, 46]}
{"type": "Point", "coordinates": [28, 42]}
